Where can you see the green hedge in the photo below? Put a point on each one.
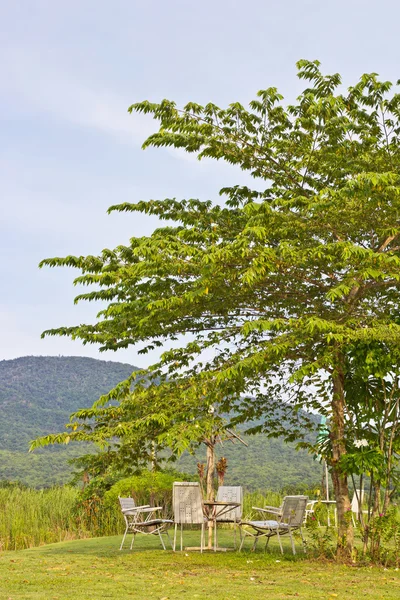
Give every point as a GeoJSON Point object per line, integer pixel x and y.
{"type": "Point", "coordinates": [154, 488]}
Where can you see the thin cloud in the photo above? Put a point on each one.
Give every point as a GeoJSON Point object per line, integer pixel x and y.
{"type": "Point", "coordinates": [42, 87]}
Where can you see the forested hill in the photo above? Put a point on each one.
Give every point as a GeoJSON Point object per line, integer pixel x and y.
{"type": "Point", "coordinates": [38, 393]}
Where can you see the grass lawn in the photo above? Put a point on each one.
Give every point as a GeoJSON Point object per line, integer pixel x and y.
{"type": "Point", "coordinates": [92, 569]}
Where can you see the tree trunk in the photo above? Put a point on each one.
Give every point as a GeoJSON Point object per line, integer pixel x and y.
{"type": "Point", "coordinates": [210, 444]}
{"type": "Point", "coordinates": [386, 501]}
{"type": "Point", "coordinates": [210, 470]}
{"type": "Point", "coordinates": [376, 509]}
{"type": "Point", "coordinates": [339, 479]}
{"type": "Point", "coordinates": [153, 456]}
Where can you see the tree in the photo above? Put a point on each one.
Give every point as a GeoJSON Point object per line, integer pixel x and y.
{"type": "Point", "coordinates": [280, 282]}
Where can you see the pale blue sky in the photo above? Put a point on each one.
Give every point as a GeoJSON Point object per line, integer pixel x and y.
{"type": "Point", "coordinates": [69, 149]}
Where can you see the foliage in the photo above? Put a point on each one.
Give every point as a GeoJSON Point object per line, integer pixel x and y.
{"type": "Point", "coordinates": [282, 282]}
{"type": "Point", "coordinates": [374, 422]}
{"type": "Point", "coordinates": [320, 539]}
{"type": "Point", "coordinates": [71, 381]}
{"type": "Point", "coordinates": [266, 464]}
{"type": "Point", "coordinates": [384, 538]}
{"type": "Point", "coordinates": [154, 488]}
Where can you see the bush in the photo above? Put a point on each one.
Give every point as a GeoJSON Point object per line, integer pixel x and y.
{"type": "Point", "coordinates": [154, 488]}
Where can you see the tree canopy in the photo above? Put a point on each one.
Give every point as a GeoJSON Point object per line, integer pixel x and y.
{"type": "Point", "coordinates": [272, 291]}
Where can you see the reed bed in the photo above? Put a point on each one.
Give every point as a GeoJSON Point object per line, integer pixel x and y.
{"type": "Point", "coordinates": [30, 517]}
{"type": "Point", "coordinates": [33, 517]}
{"type": "Point", "coordinates": [260, 500]}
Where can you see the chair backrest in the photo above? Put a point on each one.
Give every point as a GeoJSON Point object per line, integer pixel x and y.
{"type": "Point", "coordinates": [126, 503]}
{"type": "Point", "coordinates": [231, 493]}
{"type": "Point", "coordinates": [187, 502]}
{"type": "Point", "coordinates": [293, 510]}
{"type": "Point", "coordinates": [357, 500]}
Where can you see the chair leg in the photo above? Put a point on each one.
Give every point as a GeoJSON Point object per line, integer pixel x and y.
{"type": "Point", "coordinates": [176, 529]}
{"type": "Point", "coordinates": [215, 536]}
{"type": "Point", "coordinates": [169, 539]}
{"type": "Point", "coordinates": [162, 541]}
{"type": "Point", "coordinates": [201, 538]}
{"type": "Point", "coordinates": [242, 536]}
{"type": "Point", "coordinates": [181, 537]}
{"type": "Point", "coordinates": [255, 543]}
{"type": "Point", "coordinates": [234, 535]}
{"type": "Point", "coordinates": [292, 542]}
{"type": "Point", "coordinates": [123, 539]}
{"type": "Point", "coordinates": [133, 540]}
{"type": "Point", "coordinates": [279, 540]}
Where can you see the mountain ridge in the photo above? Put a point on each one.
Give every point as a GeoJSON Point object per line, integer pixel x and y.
{"type": "Point", "coordinates": [38, 393]}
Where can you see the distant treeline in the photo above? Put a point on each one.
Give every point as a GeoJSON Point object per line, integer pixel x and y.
{"type": "Point", "coordinates": [38, 393]}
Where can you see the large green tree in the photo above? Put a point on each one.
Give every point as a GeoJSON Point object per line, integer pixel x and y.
{"type": "Point", "coordinates": [269, 291]}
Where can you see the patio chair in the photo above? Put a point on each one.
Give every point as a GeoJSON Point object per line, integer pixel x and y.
{"type": "Point", "coordinates": [231, 493]}
{"type": "Point", "coordinates": [288, 518]}
{"type": "Point", "coordinates": [140, 519]}
{"type": "Point", "coordinates": [188, 508]}
{"type": "Point", "coordinates": [310, 510]}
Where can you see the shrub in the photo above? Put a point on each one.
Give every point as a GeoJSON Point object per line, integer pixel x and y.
{"type": "Point", "coordinates": [154, 488]}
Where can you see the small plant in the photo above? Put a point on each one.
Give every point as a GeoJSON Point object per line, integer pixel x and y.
{"type": "Point", "coordinates": [384, 538]}
{"type": "Point", "coordinates": [321, 541]}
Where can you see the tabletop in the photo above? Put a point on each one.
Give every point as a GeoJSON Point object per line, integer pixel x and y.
{"type": "Point", "coordinates": [220, 503]}
{"type": "Point", "coordinates": [216, 508]}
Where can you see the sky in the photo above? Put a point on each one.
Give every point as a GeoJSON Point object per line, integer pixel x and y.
{"type": "Point", "coordinates": [69, 149]}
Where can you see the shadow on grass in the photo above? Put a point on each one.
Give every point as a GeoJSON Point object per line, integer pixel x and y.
{"type": "Point", "coordinates": [150, 548]}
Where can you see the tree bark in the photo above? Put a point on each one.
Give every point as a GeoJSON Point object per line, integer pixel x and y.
{"type": "Point", "coordinates": [210, 470]}
{"type": "Point", "coordinates": [210, 444]}
{"type": "Point", "coordinates": [345, 541]}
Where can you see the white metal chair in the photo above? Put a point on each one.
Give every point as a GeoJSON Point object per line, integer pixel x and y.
{"type": "Point", "coordinates": [310, 509]}
{"type": "Point", "coordinates": [231, 493]}
{"type": "Point", "coordinates": [188, 508]}
{"type": "Point", "coordinates": [139, 519]}
{"type": "Point", "coordinates": [289, 518]}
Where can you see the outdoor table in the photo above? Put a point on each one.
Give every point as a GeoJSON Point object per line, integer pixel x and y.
{"type": "Point", "coordinates": [213, 510]}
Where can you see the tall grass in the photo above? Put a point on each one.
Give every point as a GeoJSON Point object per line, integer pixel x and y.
{"type": "Point", "coordinates": [259, 500]}
{"type": "Point", "coordinates": [34, 517]}
{"type": "Point", "coordinates": [30, 517]}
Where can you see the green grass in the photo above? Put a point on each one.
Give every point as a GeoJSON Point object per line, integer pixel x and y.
{"type": "Point", "coordinates": [30, 517]}
{"type": "Point", "coordinates": [93, 569]}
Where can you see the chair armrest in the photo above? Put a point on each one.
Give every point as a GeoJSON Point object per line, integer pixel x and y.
{"type": "Point", "coordinates": [150, 508]}
{"type": "Point", "coordinates": [135, 508]}
{"type": "Point", "coordinates": [271, 510]}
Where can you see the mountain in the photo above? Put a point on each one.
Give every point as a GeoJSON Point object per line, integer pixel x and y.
{"type": "Point", "coordinates": [38, 393]}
